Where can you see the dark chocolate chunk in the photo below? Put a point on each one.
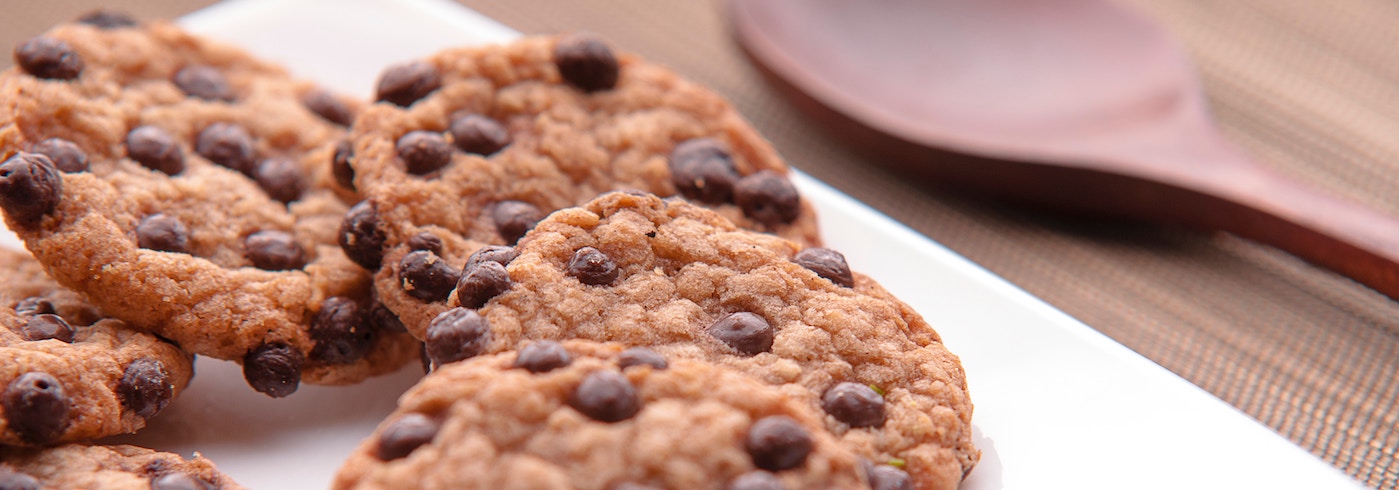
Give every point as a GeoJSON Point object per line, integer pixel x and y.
{"type": "Point", "coordinates": [65, 155]}
{"type": "Point", "coordinates": [542, 356]}
{"type": "Point", "coordinates": [606, 396]}
{"type": "Point", "coordinates": [885, 477]}
{"type": "Point", "coordinates": [701, 169]}
{"type": "Point", "coordinates": [481, 283]}
{"type": "Point", "coordinates": [360, 236]}
{"type": "Point", "coordinates": [592, 267]}
{"type": "Point", "coordinates": [641, 356]}
{"type": "Point", "coordinates": [493, 253]}
{"type": "Point", "coordinates": [163, 233]}
{"type": "Point", "coordinates": [30, 187]}
{"type": "Point", "coordinates": [145, 387]}
{"type": "Point", "coordinates": [405, 83]}
{"type": "Point", "coordinates": [425, 241]}
{"type": "Point", "coordinates": [328, 106]}
{"type": "Point", "coordinates": [457, 334]}
{"type": "Point", "coordinates": [227, 144]}
{"type": "Point", "coordinates": [36, 407]}
{"type": "Point", "coordinates": [586, 62]}
{"type": "Point", "coordinates": [340, 164]}
{"type": "Point", "coordinates": [274, 250]}
{"type": "Point", "coordinates": [475, 133]}
{"type": "Point", "coordinates": [49, 58]}
{"type": "Point", "coordinates": [382, 319]}
{"type": "Point", "coordinates": [107, 19]}
{"type": "Point", "coordinates": [14, 480]}
{"type": "Point", "coordinates": [756, 480]}
{"type": "Point", "coordinates": [515, 218]}
{"type": "Point", "coordinates": [177, 480]}
{"type": "Point", "coordinates": [826, 263]}
{"type": "Point", "coordinates": [424, 152]}
{"type": "Point", "coordinates": [341, 332]}
{"type": "Point", "coordinates": [767, 197]}
{"type": "Point", "coordinates": [406, 434]}
{"type": "Point", "coordinates": [33, 305]}
{"type": "Point", "coordinates": [47, 326]}
{"type": "Point", "coordinates": [273, 369]}
{"type": "Point", "coordinates": [424, 275]}
{"type": "Point", "coordinates": [280, 178]}
{"type": "Point", "coordinates": [747, 333]}
{"type": "Point", "coordinates": [778, 443]}
{"type": "Point", "coordinates": [205, 82]}
{"type": "Point", "coordinates": [854, 404]}
{"type": "Point", "coordinates": [155, 149]}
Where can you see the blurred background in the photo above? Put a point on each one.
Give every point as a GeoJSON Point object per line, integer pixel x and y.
{"type": "Point", "coordinates": [1308, 88]}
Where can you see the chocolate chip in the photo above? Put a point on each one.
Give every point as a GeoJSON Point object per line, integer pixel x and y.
{"type": "Point", "coordinates": [885, 477]}
{"type": "Point", "coordinates": [406, 434]}
{"type": "Point", "coordinates": [425, 358]}
{"type": "Point", "coordinates": [273, 369]}
{"type": "Point", "coordinates": [205, 82]}
{"type": "Point", "coordinates": [49, 58]}
{"type": "Point", "coordinates": [280, 178]}
{"type": "Point", "coordinates": [405, 83]}
{"type": "Point", "coordinates": [478, 134]}
{"type": "Point", "coordinates": [584, 61]}
{"type": "Point", "coordinates": [340, 164]}
{"type": "Point", "coordinates": [747, 333]}
{"type": "Point", "coordinates": [756, 480]}
{"type": "Point", "coordinates": [14, 480]}
{"type": "Point", "coordinates": [162, 233]}
{"type": "Point", "coordinates": [778, 443]}
{"type": "Point", "coordinates": [457, 334]}
{"type": "Point", "coordinates": [515, 218]}
{"type": "Point", "coordinates": [341, 332]}
{"type": "Point", "coordinates": [382, 319]}
{"type": "Point", "coordinates": [227, 144]}
{"type": "Point", "coordinates": [30, 187]}
{"type": "Point", "coordinates": [542, 356]}
{"type": "Point", "coordinates": [47, 326]}
{"type": "Point", "coordinates": [107, 19]}
{"type": "Point", "coordinates": [854, 404]}
{"type": "Point", "coordinates": [826, 263]}
{"type": "Point", "coordinates": [424, 152]}
{"type": "Point", "coordinates": [701, 169]}
{"type": "Point", "coordinates": [36, 407]}
{"type": "Point", "coordinates": [767, 197]}
{"type": "Point", "coordinates": [274, 250]}
{"type": "Point", "coordinates": [606, 396]}
{"type": "Point", "coordinates": [34, 305]}
{"type": "Point", "coordinates": [424, 275]}
{"type": "Point", "coordinates": [64, 154]}
{"type": "Point", "coordinates": [328, 106]}
{"type": "Point", "coordinates": [425, 241]}
{"type": "Point", "coordinates": [176, 480]}
{"type": "Point", "coordinates": [145, 387]}
{"type": "Point", "coordinates": [481, 283]}
{"type": "Point", "coordinates": [155, 149]}
{"type": "Point", "coordinates": [592, 267]}
{"type": "Point", "coordinates": [491, 253]}
{"type": "Point", "coordinates": [360, 236]}
{"type": "Point", "coordinates": [641, 356]}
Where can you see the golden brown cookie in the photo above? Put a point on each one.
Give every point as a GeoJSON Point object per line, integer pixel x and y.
{"type": "Point", "coordinates": [108, 468]}
{"type": "Point", "coordinates": [581, 415]}
{"type": "Point", "coordinates": [69, 374]}
{"type": "Point", "coordinates": [186, 188]}
{"type": "Point", "coordinates": [663, 273]}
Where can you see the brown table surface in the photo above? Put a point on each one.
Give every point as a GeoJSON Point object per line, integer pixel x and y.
{"type": "Point", "coordinates": [1311, 88]}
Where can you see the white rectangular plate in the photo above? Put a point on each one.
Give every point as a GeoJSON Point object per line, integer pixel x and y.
{"type": "Point", "coordinates": [1058, 405]}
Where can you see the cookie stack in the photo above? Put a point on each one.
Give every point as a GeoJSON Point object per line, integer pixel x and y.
{"type": "Point", "coordinates": [606, 270]}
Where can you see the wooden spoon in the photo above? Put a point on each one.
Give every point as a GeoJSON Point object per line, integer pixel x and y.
{"type": "Point", "coordinates": [1079, 105]}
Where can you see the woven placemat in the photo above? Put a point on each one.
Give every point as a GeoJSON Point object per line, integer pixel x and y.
{"type": "Point", "coordinates": [1310, 88]}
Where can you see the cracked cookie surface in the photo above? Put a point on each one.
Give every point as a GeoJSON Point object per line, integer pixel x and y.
{"type": "Point", "coordinates": [118, 467]}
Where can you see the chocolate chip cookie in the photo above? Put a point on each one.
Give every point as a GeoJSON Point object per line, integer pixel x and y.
{"type": "Point", "coordinates": [187, 188]}
{"type": "Point", "coordinates": [581, 415]}
{"type": "Point", "coordinates": [107, 467]}
{"type": "Point", "coordinates": [69, 374]}
{"type": "Point", "coordinates": [680, 279]}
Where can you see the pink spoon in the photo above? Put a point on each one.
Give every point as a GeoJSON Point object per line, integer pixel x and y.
{"type": "Point", "coordinates": [1080, 105]}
